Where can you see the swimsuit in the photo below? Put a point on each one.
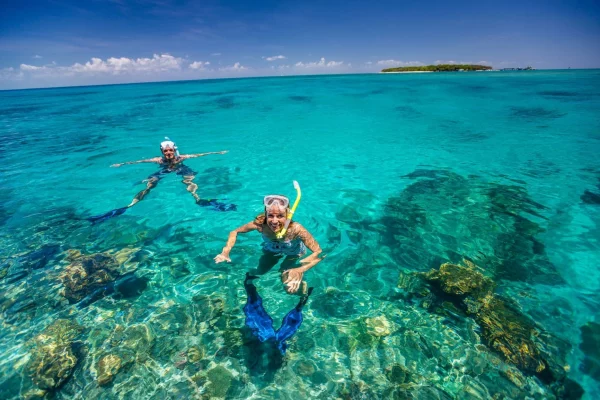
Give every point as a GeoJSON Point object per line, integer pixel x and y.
{"type": "Point", "coordinates": [294, 247]}
{"type": "Point", "coordinates": [179, 169]}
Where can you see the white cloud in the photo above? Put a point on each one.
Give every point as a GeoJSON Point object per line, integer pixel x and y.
{"type": "Point", "coordinates": [37, 57]}
{"type": "Point", "coordinates": [235, 67]}
{"type": "Point", "coordinates": [113, 65]}
{"type": "Point", "coordinates": [199, 64]}
{"type": "Point", "coordinates": [10, 74]}
{"type": "Point", "coordinates": [163, 62]}
{"type": "Point", "coordinates": [322, 63]}
{"type": "Point", "coordinates": [164, 65]}
{"type": "Point", "coordinates": [274, 58]}
{"type": "Point", "coordinates": [215, 54]}
{"type": "Point", "coordinates": [398, 63]}
{"type": "Point", "coordinates": [26, 67]}
{"type": "Point", "coordinates": [158, 67]}
{"type": "Point", "coordinates": [437, 62]}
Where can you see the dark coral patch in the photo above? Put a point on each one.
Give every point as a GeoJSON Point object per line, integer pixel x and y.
{"type": "Point", "coordinates": [590, 197]}
{"type": "Point", "coordinates": [302, 99]}
{"type": "Point", "coordinates": [590, 345]}
{"type": "Point", "coordinates": [558, 93]}
{"type": "Point", "coordinates": [226, 102]}
{"type": "Point", "coordinates": [436, 218]}
{"type": "Point", "coordinates": [503, 327]}
{"type": "Point", "coordinates": [535, 113]}
{"type": "Point", "coordinates": [407, 111]}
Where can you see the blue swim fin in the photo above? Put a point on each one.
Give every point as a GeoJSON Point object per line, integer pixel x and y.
{"type": "Point", "coordinates": [103, 217]}
{"type": "Point", "coordinates": [257, 319]}
{"type": "Point", "coordinates": [291, 323]}
{"type": "Point", "coordinates": [216, 205]}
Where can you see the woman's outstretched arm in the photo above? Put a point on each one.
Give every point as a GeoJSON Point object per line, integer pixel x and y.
{"type": "Point", "coordinates": [224, 256]}
{"type": "Point", "coordinates": [149, 160]}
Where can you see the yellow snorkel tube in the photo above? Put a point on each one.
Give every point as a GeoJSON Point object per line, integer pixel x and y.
{"type": "Point", "coordinates": [282, 233]}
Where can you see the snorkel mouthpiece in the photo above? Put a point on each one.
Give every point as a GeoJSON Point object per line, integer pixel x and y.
{"type": "Point", "coordinates": [282, 233]}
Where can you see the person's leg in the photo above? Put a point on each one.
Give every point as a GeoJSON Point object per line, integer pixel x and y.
{"type": "Point", "coordinates": [267, 261]}
{"type": "Point", "coordinates": [188, 180]}
{"type": "Point", "coordinates": [257, 319]}
{"type": "Point", "coordinates": [188, 177]}
{"type": "Point", "coordinates": [152, 182]}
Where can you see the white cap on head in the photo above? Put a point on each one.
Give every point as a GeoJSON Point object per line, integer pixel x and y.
{"type": "Point", "coordinates": [167, 144]}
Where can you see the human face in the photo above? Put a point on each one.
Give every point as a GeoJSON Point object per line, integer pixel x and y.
{"type": "Point", "coordinates": [169, 153]}
{"type": "Point", "coordinates": [276, 217]}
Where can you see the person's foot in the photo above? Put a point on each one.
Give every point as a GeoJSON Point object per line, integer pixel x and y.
{"type": "Point", "coordinates": [216, 205]}
{"type": "Point", "coordinates": [103, 217]}
{"type": "Point", "coordinates": [204, 202]}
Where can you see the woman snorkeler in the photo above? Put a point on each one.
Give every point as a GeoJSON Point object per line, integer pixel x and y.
{"type": "Point", "coordinates": [282, 238]}
{"type": "Point", "coordinates": [171, 161]}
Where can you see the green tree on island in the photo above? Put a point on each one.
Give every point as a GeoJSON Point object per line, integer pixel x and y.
{"type": "Point", "coordinates": [440, 68]}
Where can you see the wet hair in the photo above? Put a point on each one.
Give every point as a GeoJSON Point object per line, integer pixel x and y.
{"type": "Point", "coordinates": [260, 219]}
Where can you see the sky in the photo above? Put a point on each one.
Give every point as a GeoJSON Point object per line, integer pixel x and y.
{"type": "Point", "coordinates": [87, 42]}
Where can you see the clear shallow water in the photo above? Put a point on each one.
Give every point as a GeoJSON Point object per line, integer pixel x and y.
{"type": "Point", "coordinates": [400, 173]}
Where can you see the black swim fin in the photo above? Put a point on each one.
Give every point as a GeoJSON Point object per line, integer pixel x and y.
{"type": "Point", "coordinates": [103, 217]}
{"type": "Point", "coordinates": [216, 205]}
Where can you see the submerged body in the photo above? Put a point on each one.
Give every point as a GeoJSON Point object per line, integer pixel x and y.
{"type": "Point", "coordinates": [170, 162]}
{"type": "Point", "coordinates": [282, 239]}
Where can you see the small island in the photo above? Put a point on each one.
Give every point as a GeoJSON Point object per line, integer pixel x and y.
{"type": "Point", "coordinates": [439, 68]}
{"type": "Point", "coordinates": [518, 69]}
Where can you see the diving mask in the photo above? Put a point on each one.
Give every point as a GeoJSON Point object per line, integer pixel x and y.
{"type": "Point", "coordinates": [276, 200]}
{"type": "Point", "coordinates": [168, 143]}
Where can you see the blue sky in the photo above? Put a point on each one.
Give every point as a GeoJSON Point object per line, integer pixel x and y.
{"type": "Point", "coordinates": [65, 42]}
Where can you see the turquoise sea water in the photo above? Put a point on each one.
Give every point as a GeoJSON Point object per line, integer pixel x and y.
{"type": "Point", "coordinates": [400, 174]}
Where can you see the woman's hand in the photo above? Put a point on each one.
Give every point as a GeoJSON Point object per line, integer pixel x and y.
{"type": "Point", "coordinates": [116, 165]}
{"type": "Point", "coordinates": [223, 152]}
{"type": "Point", "coordinates": [292, 278]}
{"type": "Point", "coordinates": [222, 257]}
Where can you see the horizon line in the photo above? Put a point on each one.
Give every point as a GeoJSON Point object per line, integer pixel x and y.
{"type": "Point", "coordinates": [270, 76]}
